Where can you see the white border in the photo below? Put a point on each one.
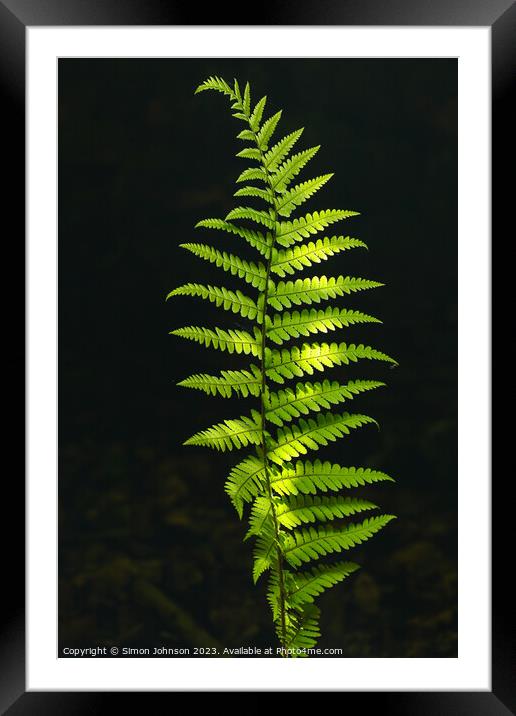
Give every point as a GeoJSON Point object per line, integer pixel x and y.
{"type": "Point", "coordinates": [471, 670]}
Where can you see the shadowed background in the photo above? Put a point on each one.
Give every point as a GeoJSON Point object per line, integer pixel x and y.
{"type": "Point", "coordinates": [150, 549]}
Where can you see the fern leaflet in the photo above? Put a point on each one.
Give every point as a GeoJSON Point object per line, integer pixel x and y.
{"type": "Point", "coordinates": [251, 273]}
{"type": "Point", "coordinates": [314, 290]}
{"type": "Point", "coordinates": [281, 327]}
{"type": "Point", "coordinates": [299, 257]}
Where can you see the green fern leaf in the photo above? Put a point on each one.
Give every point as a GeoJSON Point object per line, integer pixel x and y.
{"type": "Point", "coordinates": [284, 174]}
{"type": "Point", "coordinates": [256, 116]}
{"type": "Point", "coordinates": [260, 518]}
{"type": "Point", "coordinates": [245, 482]}
{"type": "Point", "coordinates": [291, 231]}
{"type": "Point", "coordinates": [265, 194]}
{"type": "Point", "coordinates": [246, 135]}
{"type": "Point", "coordinates": [312, 583]}
{"type": "Point", "coordinates": [312, 543]}
{"type": "Point", "coordinates": [301, 510]}
{"type": "Point", "coordinates": [274, 594]}
{"type": "Point", "coordinates": [216, 83]}
{"type": "Point", "coordinates": [280, 151]}
{"type": "Point", "coordinates": [299, 257]}
{"type": "Point", "coordinates": [282, 327]}
{"type": "Point", "coordinates": [307, 478]}
{"type": "Point", "coordinates": [238, 382]}
{"type": "Point", "coordinates": [290, 403]}
{"type": "Point", "coordinates": [247, 212]}
{"type": "Point", "coordinates": [234, 301]}
{"type": "Point", "coordinates": [281, 364]}
{"type": "Point", "coordinates": [303, 631]}
{"type": "Point", "coordinates": [253, 174]}
{"type": "Point", "coordinates": [255, 238]}
{"type": "Point", "coordinates": [310, 434]}
{"type": "Point", "coordinates": [229, 434]}
{"type": "Point", "coordinates": [250, 153]}
{"type": "Point", "coordinates": [251, 273]}
{"type": "Point", "coordinates": [247, 99]}
{"type": "Point", "coordinates": [231, 340]}
{"type": "Point", "coordinates": [267, 130]}
{"type": "Point", "coordinates": [316, 289]}
{"type": "Point", "coordinates": [288, 201]}
{"type": "Point", "coordinates": [264, 553]}
{"type": "Point", "coordinates": [238, 95]}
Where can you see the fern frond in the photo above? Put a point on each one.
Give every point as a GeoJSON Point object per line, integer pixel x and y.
{"type": "Point", "coordinates": [246, 135]}
{"type": "Point", "coordinates": [265, 194]}
{"type": "Point", "coordinates": [247, 212]}
{"type": "Point", "coordinates": [280, 151]}
{"type": "Point", "coordinates": [253, 174]}
{"type": "Point", "coordinates": [282, 327]}
{"type": "Point", "coordinates": [246, 104]}
{"type": "Point", "coordinates": [304, 255]}
{"type": "Point", "coordinates": [303, 631]}
{"type": "Point", "coordinates": [250, 153]}
{"type": "Point", "coordinates": [316, 289]}
{"type": "Point", "coordinates": [281, 364]}
{"type": "Point", "coordinates": [255, 238]}
{"type": "Point", "coordinates": [260, 517]}
{"type": "Point", "coordinates": [310, 584]}
{"type": "Point", "coordinates": [312, 543]}
{"type": "Point", "coordinates": [264, 553]}
{"type": "Point", "coordinates": [256, 116]}
{"type": "Point", "coordinates": [251, 273]}
{"type": "Point", "coordinates": [284, 174]}
{"type": "Point", "coordinates": [307, 478]}
{"type": "Point", "coordinates": [287, 496]}
{"type": "Point", "coordinates": [290, 403]}
{"type": "Point", "coordinates": [298, 229]}
{"type": "Point", "coordinates": [310, 434]}
{"type": "Point", "coordinates": [230, 434]}
{"type": "Point", "coordinates": [240, 382]}
{"type": "Point", "coordinates": [287, 202]}
{"type": "Point", "coordinates": [231, 340]}
{"type": "Point", "coordinates": [238, 103]}
{"type": "Point", "coordinates": [300, 510]}
{"type": "Point", "coordinates": [218, 84]}
{"type": "Point", "coordinates": [245, 482]}
{"type": "Point", "coordinates": [267, 130]}
{"type": "Point", "coordinates": [274, 595]}
{"type": "Point", "coordinates": [234, 301]}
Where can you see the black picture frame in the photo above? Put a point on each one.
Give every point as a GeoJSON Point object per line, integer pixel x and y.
{"type": "Point", "coordinates": [15, 17]}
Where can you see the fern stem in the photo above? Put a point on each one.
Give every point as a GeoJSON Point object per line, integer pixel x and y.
{"type": "Point", "coordinates": [279, 554]}
{"type": "Point", "coordinates": [263, 392]}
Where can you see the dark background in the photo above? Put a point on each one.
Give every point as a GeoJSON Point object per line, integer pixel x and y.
{"type": "Point", "coordinates": [150, 548]}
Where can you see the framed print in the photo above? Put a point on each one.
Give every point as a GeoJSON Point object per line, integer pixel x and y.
{"type": "Point", "coordinates": [141, 576]}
